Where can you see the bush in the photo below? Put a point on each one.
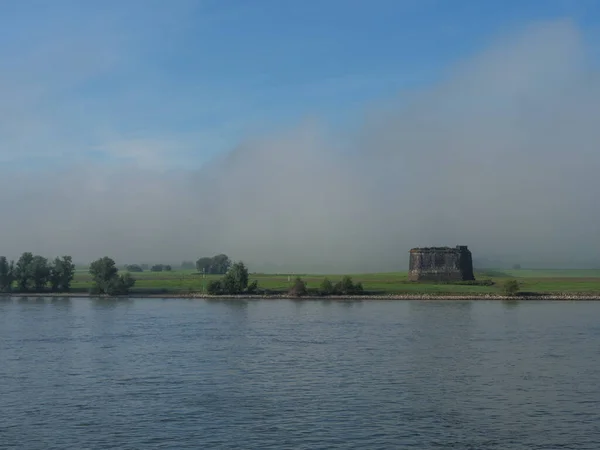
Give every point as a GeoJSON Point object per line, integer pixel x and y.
{"type": "Point", "coordinates": [326, 287]}
{"type": "Point", "coordinates": [511, 287]}
{"type": "Point", "coordinates": [214, 287]}
{"type": "Point", "coordinates": [298, 289]}
{"type": "Point", "coordinates": [252, 287]}
{"type": "Point", "coordinates": [347, 287]}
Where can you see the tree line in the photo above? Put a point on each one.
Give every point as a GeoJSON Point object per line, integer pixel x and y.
{"type": "Point", "coordinates": [343, 287]}
{"type": "Point", "coordinates": [153, 268]}
{"type": "Point", "coordinates": [34, 273]}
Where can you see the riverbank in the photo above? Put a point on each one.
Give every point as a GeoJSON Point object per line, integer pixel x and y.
{"type": "Point", "coordinates": [530, 297]}
{"type": "Point", "coordinates": [536, 283]}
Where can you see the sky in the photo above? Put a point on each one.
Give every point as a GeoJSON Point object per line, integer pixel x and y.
{"type": "Point", "coordinates": [316, 136]}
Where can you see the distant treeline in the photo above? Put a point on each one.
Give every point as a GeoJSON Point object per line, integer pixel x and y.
{"type": "Point", "coordinates": [213, 265]}
{"type": "Point", "coordinates": [142, 267]}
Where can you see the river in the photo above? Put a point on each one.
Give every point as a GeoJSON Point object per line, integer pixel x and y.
{"type": "Point", "coordinates": [282, 374]}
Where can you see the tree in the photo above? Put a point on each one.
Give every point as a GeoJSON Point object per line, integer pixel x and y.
{"type": "Point", "coordinates": [62, 271]}
{"type": "Point", "coordinates": [24, 273]}
{"type": "Point", "coordinates": [298, 289]}
{"type": "Point", "coordinates": [107, 279]}
{"type": "Point", "coordinates": [6, 274]}
{"type": "Point", "coordinates": [187, 265]}
{"type": "Point", "coordinates": [134, 268]}
{"type": "Point", "coordinates": [238, 274]}
{"type": "Point", "coordinates": [218, 264]}
{"type": "Point", "coordinates": [157, 268]}
{"type": "Point", "coordinates": [204, 265]}
{"type": "Point", "coordinates": [221, 263]}
{"type": "Point", "coordinates": [168, 268]}
{"type": "Point", "coordinates": [511, 287]}
{"type": "Point", "coordinates": [516, 266]}
{"type": "Point", "coordinates": [234, 282]}
{"type": "Point", "coordinates": [40, 272]}
{"type": "Point", "coordinates": [144, 266]}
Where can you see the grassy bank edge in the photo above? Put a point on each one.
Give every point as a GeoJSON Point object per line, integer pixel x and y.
{"type": "Point", "coordinates": [565, 296]}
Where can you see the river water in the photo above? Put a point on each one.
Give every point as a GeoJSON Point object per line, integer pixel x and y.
{"type": "Point", "coordinates": [278, 374]}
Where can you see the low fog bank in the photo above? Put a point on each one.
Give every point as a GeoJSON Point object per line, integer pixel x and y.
{"type": "Point", "coordinates": [501, 157]}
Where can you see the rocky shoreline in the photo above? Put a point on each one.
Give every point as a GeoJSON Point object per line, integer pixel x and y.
{"type": "Point", "coordinates": [552, 296]}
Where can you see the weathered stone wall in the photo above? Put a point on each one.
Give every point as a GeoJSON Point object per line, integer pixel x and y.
{"type": "Point", "coordinates": [441, 264]}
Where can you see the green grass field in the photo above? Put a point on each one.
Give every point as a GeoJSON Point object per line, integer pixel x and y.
{"type": "Point", "coordinates": [534, 281]}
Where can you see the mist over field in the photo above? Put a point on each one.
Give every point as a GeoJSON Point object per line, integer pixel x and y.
{"type": "Point", "coordinates": [502, 155]}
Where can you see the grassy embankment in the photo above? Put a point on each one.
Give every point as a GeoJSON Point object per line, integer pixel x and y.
{"type": "Point", "coordinates": [584, 282]}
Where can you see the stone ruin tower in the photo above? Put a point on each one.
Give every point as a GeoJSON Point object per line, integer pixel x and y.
{"type": "Point", "coordinates": [441, 264]}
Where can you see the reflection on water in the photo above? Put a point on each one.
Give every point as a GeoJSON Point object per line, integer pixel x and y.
{"type": "Point", "coordinates": [153, 373]}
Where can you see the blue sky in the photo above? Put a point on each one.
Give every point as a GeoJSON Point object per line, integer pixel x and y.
{"type": "Point", "coordinates": [173, 83]}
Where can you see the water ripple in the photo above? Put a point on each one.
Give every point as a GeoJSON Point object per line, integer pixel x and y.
{"type": "Point", "coordinates": [149, 374]}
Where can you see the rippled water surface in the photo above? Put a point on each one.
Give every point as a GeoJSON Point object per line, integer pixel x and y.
{"type": "Point", "coordinates": [194, 374]}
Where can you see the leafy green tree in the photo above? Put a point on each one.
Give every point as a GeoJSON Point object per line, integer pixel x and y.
{"type": "Point", "coordinates": [204, 265]}
{"type": "Point", "coordinates": [24, 272]}
{"type": "Point", "coordinates": [134, 268]}
{"type": "Point", "coordinates": [238, 274]}
{"type": "Point", "coordinates": [62, 271]}
{"type": "Point", "coordinates": [40, 272]}
{"type": "Point", "coordinates": [298, 289]}
{"type": "Point", "coordinates": [6, 274]}
{"type": "Point", "coordinates": [221, 263]}
{"type": "Point", "coordinates": [157, 268]}
{"type": "Point", "coordinates": [107, 279]}
{"type": "Point", "coordinates": [234, 282]}
{"type": "Point", "coordinates": [144, 266]}
{"type": "Point", "coordinates": [168, 268]}
{"type": "Point", "coordinates": [218, 264]}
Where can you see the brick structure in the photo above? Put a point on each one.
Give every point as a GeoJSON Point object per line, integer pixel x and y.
{"type": "Point", "coordinates": [441, 264]}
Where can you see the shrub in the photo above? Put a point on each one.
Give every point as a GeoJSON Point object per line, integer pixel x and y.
{"type": "Point", "coordinates": [214, 287]}
{"type": "Point", "coordinates": [511, 287]}
{"type": "Point", "coordinates": [326, 287]}
{"type": "Point", "coordinates": [298, 289]}
{"type": "Point", "coordinates": [252, 287]}
{"type": "Point", "coordinates": [347, 287]}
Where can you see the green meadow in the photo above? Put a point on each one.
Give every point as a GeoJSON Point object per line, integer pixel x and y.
{"type": "Point", "coordinates": [531, 281]}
